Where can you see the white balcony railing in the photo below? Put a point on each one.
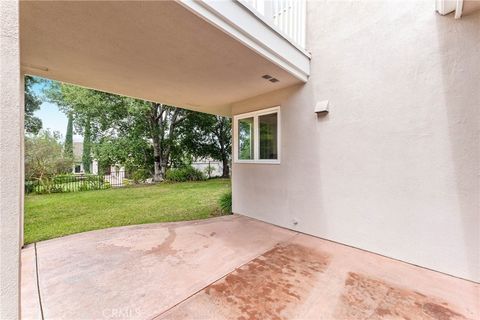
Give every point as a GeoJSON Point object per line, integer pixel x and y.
{"type": "Point", "coordinates": [289, 16]}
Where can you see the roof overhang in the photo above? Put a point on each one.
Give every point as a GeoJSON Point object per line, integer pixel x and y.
{"type": "Point", "coordinates": [202, 56]}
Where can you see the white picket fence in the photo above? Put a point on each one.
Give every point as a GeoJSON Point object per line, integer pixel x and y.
{"type": "Point", "coordinates": [288, 15]}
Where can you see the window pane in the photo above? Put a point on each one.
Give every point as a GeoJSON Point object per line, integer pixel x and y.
{"type": "Point", "coordinates": [245, 139]}
{"type": "Point", "coordinates": [268, 136]}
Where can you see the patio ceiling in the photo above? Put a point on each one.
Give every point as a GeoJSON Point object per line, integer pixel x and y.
{"type": "Point", "coordinates": [158, 51]}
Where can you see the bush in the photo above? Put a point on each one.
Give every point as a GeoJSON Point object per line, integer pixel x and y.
{"type": "Point", "coordinates": [64, 178]}
{"type": "Point", "coordinates": [226, 203]}
{"type": "Point", "coordinates": [30, 186]}
{"type": "Point", "coordinates": [141, 175]}
{"type": "Point", "coordinates": [67, 178]}
{"type": "Point", "coordinates": [185, 174]}
{"type": "Point", "coordinates": [128, 182]}
{"type": "Point", "coordinates": [66, 183]}
{"type": "Point", "coordinates": [91, 178]}
{"type": "Point", "coordinates": [55, 189]}
{"type": "Point", "coordinates": [85, 186]}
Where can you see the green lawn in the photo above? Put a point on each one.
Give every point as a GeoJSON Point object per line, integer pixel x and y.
{"type": "Point", "coordinates": [55, 215]}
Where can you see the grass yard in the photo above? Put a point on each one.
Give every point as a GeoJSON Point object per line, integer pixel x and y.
{"type": "Point", "coordinates": [55, 215]}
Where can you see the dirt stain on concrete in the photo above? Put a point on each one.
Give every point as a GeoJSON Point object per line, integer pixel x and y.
{"type": "Point", "coordinates": [270, 286]}
{"type": "Point", "coordinates": [165, 248]}
{"type": "Point", "coordinates": [440, 312]}
{"type": "Point", "coordinates": [373, 299]}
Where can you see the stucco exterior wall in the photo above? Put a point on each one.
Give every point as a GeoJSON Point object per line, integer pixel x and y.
{"type": "Point", "coordinates": [394, 167]}
{"type": "Point", "coordinates": [11, 162]}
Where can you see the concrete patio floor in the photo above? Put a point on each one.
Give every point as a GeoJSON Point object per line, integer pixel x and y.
{"type": "Point", "coordinates": [230, 267]}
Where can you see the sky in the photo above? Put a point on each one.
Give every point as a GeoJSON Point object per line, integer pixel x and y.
{"type": "Point", "coordinates": [52, 118]}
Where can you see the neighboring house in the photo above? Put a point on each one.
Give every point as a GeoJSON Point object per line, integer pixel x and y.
{"type": "Point", "coordinates": [78, 163]}
{"type": "Point", "coordinates": [391, 168]}
{"type": "Point", "coordinates": [77, 168]}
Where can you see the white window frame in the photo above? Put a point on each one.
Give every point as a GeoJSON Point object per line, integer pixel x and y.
{"type": "Point", "coordinates": [256, 136]}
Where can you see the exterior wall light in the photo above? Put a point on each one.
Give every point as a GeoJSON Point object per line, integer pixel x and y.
{"type": "Point", "coordinates": [322, 107]}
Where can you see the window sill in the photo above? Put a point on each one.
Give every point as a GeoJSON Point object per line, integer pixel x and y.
{"type": "Point", "coordinates": [257, 161]}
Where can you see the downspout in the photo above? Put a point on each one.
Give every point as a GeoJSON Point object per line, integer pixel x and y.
{"type": "Point", "coordinates": [459, 9]}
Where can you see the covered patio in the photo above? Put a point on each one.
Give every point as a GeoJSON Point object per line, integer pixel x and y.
{"type": "Point", "coordinates": [229, 267]}
{"type": "Point", "coordinates": [222, 58]}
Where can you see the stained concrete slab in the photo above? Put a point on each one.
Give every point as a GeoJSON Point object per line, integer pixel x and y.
{"type": "Point", "coordinates": [232, 267]}
{"type": "Point", "coordinates": [138, 272]}
{"type": "Point", "coordinates": [315, 279]}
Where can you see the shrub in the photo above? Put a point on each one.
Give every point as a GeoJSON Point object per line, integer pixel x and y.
{"type": "Point", "coordinates": [67, 178]}
{"type": "Point", "coordinates": [127, 182]}
{"type": "Point", "coordinates": [140, 175]}
{"type": "Point", "coordinates": [45, 156]}
{"type": "Point", "coordinates": [55, 189]}
{"type": "Point", "coordinates": [30, 186]}
{"type": "Point", "coordinates": [91, 178]}
{"type": "Point", "coordinates": [225, 203]}
{"type": "Point", "coordinates": [87, 185]}
{"type": "Point", "coordinates": [185, 174]}
{"type": "Point", "coordinates": [66, 183]}
{"type": "Point", "coordinates": [64, 178]}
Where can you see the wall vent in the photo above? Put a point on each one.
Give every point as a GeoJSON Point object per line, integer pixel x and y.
{"type": "Point", "coordinates": [270, 78]}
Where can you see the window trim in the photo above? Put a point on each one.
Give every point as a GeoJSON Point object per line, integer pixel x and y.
{"type": "Point", "coordinates": [256, 136]}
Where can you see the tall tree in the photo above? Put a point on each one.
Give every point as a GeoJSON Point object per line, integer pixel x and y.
{"type": "Point", "coordinates": [206, 135]}
{"type": "Point", "coordinates": [134, 153]}
{"type": "Point", "coordinates": [223, 132]}
{"type": "Point", "coordinates": [87, 148]}
{"type": "Point", "coordinates": [90, 110]}
{"type": "Point", "coordinates": [164, 123]}
{"type": "Point", "coordinates": [68, 146]}
{"type": "Point", "coordinates": [131, 123]}
{"type": "Point", "coordinates": [32, 103]}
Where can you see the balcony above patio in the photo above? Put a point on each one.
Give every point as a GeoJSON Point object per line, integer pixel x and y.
{"type": "Point", "coordinates": [200, 55]}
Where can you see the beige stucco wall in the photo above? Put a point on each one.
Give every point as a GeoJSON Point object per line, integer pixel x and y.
{"type": "Point", "coordinates": [11, 142]}
{"type": "Point", "coordinates": [394, 166]}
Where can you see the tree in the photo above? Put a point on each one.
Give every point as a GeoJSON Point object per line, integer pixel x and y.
{"type": "Point", "coordinates": [68, 146]}
{"type": "Point", "coordinates": [208, 135]}
{"type": "Point", "coordinates": [222, 149]}
{"type": "Point", "coordinates": [115, 120]}
{"type": "Point", "coordinates": [44, 157]}
{"type": "Point", "coordinates": [92, 108]}
{"type": "Point", "coordinates": [92, 111]}
{"type": "Point", "coordinates": [141, 134]}
{"type": "Point", "coordinates": [87, 148]}
{"type": "Point", "coordinates": [32, 103]}
{"type": "Point", "coordinates": [135, 154]}
{"type": "Point", "coordinates": [164, 123]}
